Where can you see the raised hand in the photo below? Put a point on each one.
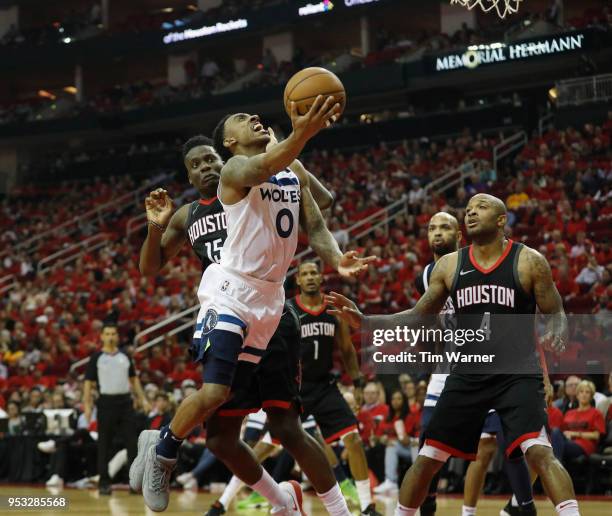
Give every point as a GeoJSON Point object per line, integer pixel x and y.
{"type": "Point", "coordinates": [345, 309]}
{"type": "Point", "coordinates": [322, 113]}
{"type": "Point", "coordinates": [159, 207]}
{"type": "Point", "coordinates": [352, 265]}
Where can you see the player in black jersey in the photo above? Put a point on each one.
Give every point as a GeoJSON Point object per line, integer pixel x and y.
{"type": "Point", "coordinates": [321, 334]}
{"type": "Point", "coordinates": [202, 223]}
{"type": "Point", "coordinates": [275, 383]}
{"type": "Point", "coordinates": [492, 276]}
{"type": "Point", "coordinates": [444, 237]}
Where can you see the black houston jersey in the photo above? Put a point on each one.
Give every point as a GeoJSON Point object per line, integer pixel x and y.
{"type": "Point", "coordinates": [206, 229]}
{"type": "Point", "coordinates": [479, 295]}
{"type": "Point", "coordinates": [317, 344]}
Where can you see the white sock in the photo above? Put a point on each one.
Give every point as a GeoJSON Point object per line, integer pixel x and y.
{"type": "Point", "coordinates": [514, 501]}
{"type": "Point", "coordinates": [334, 502]}
{"type": "Point", "coordinates": [266, 486]}
{"type": "Point", "coordinates": [405, 511]}
{"type": "Point", "coordinates": [568, 508]}
{"type": "Point", "coordinates": [365, 495]}
{"type": "Point", "coordinates": [468, 511]}
{"type": "Point", "coordinates": [230, 491]}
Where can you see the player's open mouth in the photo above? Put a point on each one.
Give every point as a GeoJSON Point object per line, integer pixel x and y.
{"type": "Point", "coordinates": [259, 128]}
{"type": "Point", "coordinates": [472, 223]}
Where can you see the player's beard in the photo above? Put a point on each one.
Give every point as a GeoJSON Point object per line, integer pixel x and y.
{"type": "Point", "coordinates": [444, 249]}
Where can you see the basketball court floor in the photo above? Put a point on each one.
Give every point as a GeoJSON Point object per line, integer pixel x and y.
{"type": "Point", "coordinates": [121, 503]}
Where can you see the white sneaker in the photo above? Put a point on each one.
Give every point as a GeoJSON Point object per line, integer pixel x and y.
{"type": "Point", "coordinates": [55, 481]}
{"type": "Point", "coordinates": [191, 485]}
{"type": "Point", "coordinates": [146, 439]}
{"type": "Point", "coordinates": [47, 446]}
{"type": "Point", "coordinates": [117, 462]}
{"type": "Point", "coordinates": [294, 506]}
{"type": "Point", "coordinates": [387, 487]}
{"type": "Point", "coordinates": [187, 480]}
{"type": "Point", "coordinates": [156, 480]}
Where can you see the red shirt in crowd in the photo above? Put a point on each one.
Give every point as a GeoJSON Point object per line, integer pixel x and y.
{"type": "Point", "coordinates": [367, 426]}
{"type": "Point", "coordinates": [589, 420]}
{"type": "Point", "coordinates": [379, 413]}
{"type": "Point", "coordinates": [555, 417]}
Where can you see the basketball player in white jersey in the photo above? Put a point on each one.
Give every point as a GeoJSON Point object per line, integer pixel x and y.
{"type": "Point", "coordinates": [242, 297]}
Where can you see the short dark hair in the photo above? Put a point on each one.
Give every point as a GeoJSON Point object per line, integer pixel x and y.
{"type": "Point", "coordinates": [109, 324]}
{"type": "Point", "coordinates": [196, 141]}
{"type": "Point", "coordinates": [218, 137]}
{"type": "Point", "coordinates": [307, 262]}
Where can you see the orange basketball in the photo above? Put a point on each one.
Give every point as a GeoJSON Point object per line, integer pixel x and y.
{"type": "Point", "coordinates": [306, 84]}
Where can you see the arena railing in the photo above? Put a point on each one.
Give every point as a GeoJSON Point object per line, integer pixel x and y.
{"type": "Point", "coordinates": [575, 92]}
{"type": "Point", "coordinates": [73, 252]}
{"type": "Point", "coordinates": [508, 146]}
{"type": "Point", "coordinates": [97, 214]}
{"type": "Point", "coordinates": [544, 123]}
{"type": "Point", "coordinates": [185, 319]}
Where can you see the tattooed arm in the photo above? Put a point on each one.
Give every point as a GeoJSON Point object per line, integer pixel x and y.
{"type": "Point", "coordinates": [548, 300]}
{"type": "Point", "coordinates": [322, 241]}
{"type": "Point", "coordinates": [430, 303]}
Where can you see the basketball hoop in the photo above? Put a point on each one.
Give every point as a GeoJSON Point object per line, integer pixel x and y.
{"type": "Point", "coordinates": [503, 7]}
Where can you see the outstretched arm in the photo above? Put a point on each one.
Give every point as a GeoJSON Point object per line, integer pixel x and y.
{"type": "Point", "coordinates": [549, 302]}
{"type": "Point", "coordinates": [430, 303]}
{"type": "Point", "coordinates": [244, 172]}
{"type": "Point", "coordinates": [323, 242]}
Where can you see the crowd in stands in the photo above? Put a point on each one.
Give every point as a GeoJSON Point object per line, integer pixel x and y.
{"type": "Point", "coordinates": [78, 23]}
{"type": "Point", "coordinates": [212, 76]}
{"type": "Point", "coordinates": [579, 416]}
{"type": "Point", "coordinates": [559, 201]}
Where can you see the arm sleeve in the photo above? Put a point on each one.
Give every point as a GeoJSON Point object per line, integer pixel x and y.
{"type": "Point", "coordinates": [91, 373]}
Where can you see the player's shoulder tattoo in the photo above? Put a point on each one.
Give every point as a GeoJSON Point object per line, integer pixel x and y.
{"type": "Point", "coordinates": [445, 267]}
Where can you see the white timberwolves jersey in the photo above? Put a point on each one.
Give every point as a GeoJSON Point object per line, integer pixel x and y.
{"type": "Point", "coordinates": [262, 229]}
{"type": "Point", "coordinates": [437, 380]}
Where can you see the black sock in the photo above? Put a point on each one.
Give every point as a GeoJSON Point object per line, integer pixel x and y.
{"type": "Point", "coordinates": [339, 473]}
{"type": "Point", "coordinates": [169, 445]}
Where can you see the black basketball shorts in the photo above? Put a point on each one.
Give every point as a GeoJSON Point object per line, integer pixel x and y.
{"type": "Point", "coordinates": [331, 411]}
{"type": "Point", "coordinates": [458, 417]}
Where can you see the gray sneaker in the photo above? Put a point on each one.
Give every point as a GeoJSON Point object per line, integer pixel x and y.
{"type": "Point", "coordinates": [156, 480]}
{"type": "Point", "coordinates": [146, 439]}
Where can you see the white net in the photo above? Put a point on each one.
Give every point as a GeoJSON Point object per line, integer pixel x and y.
{"type": "Point", "coordinates": [502, 7]}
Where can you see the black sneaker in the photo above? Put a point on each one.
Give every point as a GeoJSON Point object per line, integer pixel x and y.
{"type": "Point", "coordinates": [216, 509]}
{"type": "Point", "coordinates": [105, 489]}
{"type": "Point", "coordinates": [370, 510]}
{"type": "Point", "coordinates": [514, 510]}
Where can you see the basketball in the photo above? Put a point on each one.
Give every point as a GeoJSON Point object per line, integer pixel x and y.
{"type": "Point", "coordinates": [304, 87]}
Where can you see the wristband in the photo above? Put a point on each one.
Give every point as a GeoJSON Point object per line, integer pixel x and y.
{"type": "Point", "coordinates": [358, 383]}
{"type": "Point", "coordinates": [157, 226]}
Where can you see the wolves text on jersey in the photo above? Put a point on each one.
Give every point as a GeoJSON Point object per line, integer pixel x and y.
{"type": "Point", "coordinates": [279, 195]}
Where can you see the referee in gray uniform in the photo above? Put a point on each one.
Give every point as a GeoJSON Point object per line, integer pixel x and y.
{"type": "Point", "coordinates": [113, 371]}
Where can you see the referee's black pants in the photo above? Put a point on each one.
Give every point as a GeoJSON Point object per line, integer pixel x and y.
{"type": "Point", "coordinates": [116, 418]}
